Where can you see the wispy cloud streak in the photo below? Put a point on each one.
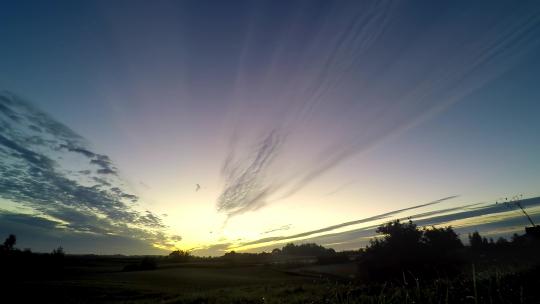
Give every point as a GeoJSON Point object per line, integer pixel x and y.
{"type": "Point", "coordinates": [488, 218]}
{"type": "Point", "coordinates": [387, 215]}
{"type": "Point", "coordinates": [358, 78]}
{"type": "Point", "coordinates": [284, 227]}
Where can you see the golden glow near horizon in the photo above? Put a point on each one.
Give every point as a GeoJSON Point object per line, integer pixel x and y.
{"type": "Point", "coordinates": [234, 233]}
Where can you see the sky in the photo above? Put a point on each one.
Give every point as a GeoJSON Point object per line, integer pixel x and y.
{"type": "Point", "coordinates": [140, 127]}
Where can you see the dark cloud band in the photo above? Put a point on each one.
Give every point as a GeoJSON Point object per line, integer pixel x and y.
{"type": "Point", "coordinates": [34, 174]}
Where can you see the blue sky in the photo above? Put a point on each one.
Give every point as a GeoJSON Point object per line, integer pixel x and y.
{"type": "Point", "coordinates": [292, 116]}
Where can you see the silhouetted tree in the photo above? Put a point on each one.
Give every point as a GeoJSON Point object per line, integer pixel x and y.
{"type": "Point", "coordinates": [442, 240]}
{"type": "Point", "coordinates": [476, 241]}
{"type": "Point", "coordinates": [308, 249]}
{"type": "Point", "coordinates": [399, 235]}
{"type": "Point", "coordinates": [397, 251]}
{"type": "Point", "coordinates": [405, 249]}
{"type": "Point", "coordinates": [180, 256]}
{"type": "Point", "coordinates": [10, 242]}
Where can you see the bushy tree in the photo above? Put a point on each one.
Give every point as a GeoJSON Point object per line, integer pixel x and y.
{"type": "Point", "coordinates": [441, 240]}
{"type": "Point", "coordinates": [405, 249]}
{"type": "Point", "coordinates": [476, 241]}
{"type": "Point", "coordinates": [400, 236]}
{"type": "Point", "coordinates": [397, 250]}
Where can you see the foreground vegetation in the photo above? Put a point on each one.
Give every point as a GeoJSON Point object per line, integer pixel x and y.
{"type": "Point", "coordinates": [405, 265]}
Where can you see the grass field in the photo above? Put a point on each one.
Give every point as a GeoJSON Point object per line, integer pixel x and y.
{"type": "Point", "coordinates": [484, 272]}
{"type": "Point", "coordinates": [102, 281]}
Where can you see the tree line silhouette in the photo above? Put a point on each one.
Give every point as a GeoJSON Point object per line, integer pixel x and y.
{"type": "Point", "coordinates": [400, 250]}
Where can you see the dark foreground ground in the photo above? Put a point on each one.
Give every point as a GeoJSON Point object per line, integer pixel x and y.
{"type": "Point", "coordinates": [409, 265]}
{"type": "Point", "coordinates": [101, 280]}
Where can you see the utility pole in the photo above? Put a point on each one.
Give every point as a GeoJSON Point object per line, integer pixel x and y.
{"type": "Point", "coordinates": [516, 200]}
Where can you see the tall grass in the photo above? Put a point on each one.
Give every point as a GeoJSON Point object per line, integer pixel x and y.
{"type": "Point", "coordinates": [495, 289]}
